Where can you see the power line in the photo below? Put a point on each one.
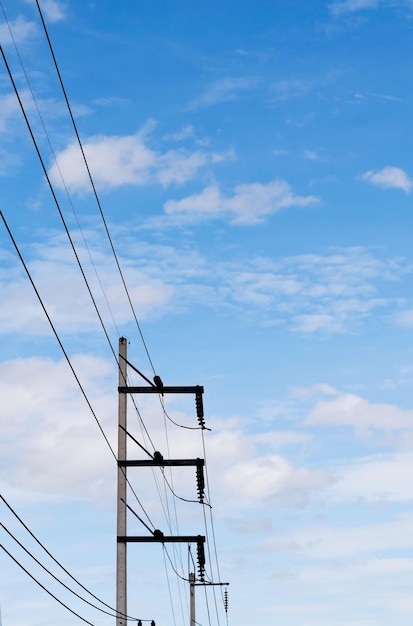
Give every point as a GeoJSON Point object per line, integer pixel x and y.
{"type": "Point", "coordinates": [56, 200]}
{"type": "Point", "coordinates": [55, 332]}
{"type": "Point", "coordinates": [115, 614]}
{"type": "Point", "coordinates": [65, 354]}
{"type": "Point", "coordinates": [93, 185]}
{"type": "Point", "coordinates": [56, 162]}
{"type": "Point", "coordinates": [73, 248]}
{"type": "Point", "coordinates": [44, 588]}
{"type": "Point", "coordinates": [52, 557]}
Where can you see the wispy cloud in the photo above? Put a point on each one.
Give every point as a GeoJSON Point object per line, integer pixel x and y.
{"type": "Point", "coordinates": [187, 132]}
{"type": "Point", "coordinates": [307, 294]}
{"type": "Point", "coordinates": [54, 10]}
{"type": "Point", "coordinates": [71, 308]}
{"type": "Point", "coordinates": [224, 90]}
{"type": "Point", "coordinates": [404, 318]}
{"type": "Point", "coordinates": [249, 203]}
{"type": "Point", "coordinates": [352, 6]}
{"type": "Point", "coordinates": [389, 178]}
{"type": "Point", "coordinates": [292, 88]}
{"type": "Point", "coordinates": [321, 294]}
{"type": "Point", "coordinates": [21, 29]}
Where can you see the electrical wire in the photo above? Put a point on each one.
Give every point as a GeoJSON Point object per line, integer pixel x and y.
{"type": "Point", "coordinates": [212, 529]}
{"type": "Point", "coordinates": [55, 560]}
{"type": "Point", "coordinates": [180, 497]}
{"type": "Point", "coordinates": [177, 550]}
{"type": "Point", "coordinates": [74, 249]}
{"type": "Point", "coordinates": [60, 212]}
{"type": "Point", "coordinates": [93, 185]}
{"type": "Point", "coordinates": [169, 589]}
{"type": "Point", "coordinates": [55, 332]}
{"type": "Point", "coordinates": [66, 355]}
{"type": "Point", "coordinates": [187, 580]}
{"type": "Point", "coordinates": [44, 588]}
{"type": "Point", "coordinates": [57, 164]}
{"type": "Point", "coordinates": [43, 166]}
{"type": "Point", "coordinates": [115, 614]}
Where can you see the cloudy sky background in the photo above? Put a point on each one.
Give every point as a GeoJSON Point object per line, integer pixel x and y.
{"type": "Point", "coordinates": [253, 163]}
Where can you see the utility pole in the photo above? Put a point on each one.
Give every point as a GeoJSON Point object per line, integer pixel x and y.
{"type": "Point", "coordinates": [121, 580]}
{"type": "Point", "coordinates": [192, 597]}
{"type": "Point", "coordinates": [156, 460]}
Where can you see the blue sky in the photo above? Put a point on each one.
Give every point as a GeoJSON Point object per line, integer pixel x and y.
{"type": "Point", "coordinates": [253, 163]}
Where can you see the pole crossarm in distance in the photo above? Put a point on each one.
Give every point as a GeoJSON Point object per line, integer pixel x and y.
{"type": "Point", "coordinates": [197, 389]}
{"type": "Point", "coordinates": [162, 539]}
{"type": "Point", "coordinates": [163, 463]}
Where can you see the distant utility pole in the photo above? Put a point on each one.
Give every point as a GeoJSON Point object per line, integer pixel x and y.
{"type": "Point", "coordinates": [121, 582]}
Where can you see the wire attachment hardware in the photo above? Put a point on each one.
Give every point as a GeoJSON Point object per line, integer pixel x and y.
{"type": "Point", "coordinates": [201, 561]}
{"type": "Point", "coordinates": [199, 404]}
{"type": "Point", "coordinates": [200, 481]}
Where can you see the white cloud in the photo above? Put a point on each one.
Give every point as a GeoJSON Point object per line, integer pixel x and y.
{"type": "Point", "coordinates": [71, 308]}
{"type": "Point", "coordinates": [351, 410]}
{"type": "Point", "coordinates": [8, 162]}
{"type": "Point", "coordinates": [249, 204]}
{"type": "Point", "coordinates": [292, 88]}
{"type": "Point", "coordinates": [271, 480]}
{"type": "Point", "coordinates": [306, 293]}
{"type": "Point", "coordinates": [350, 541]}
{"type": "Point", "coordinates": [179, 166]}
{"type": "Point", "coordinates": [55, 11]}
{"type": "Point", "coordinates": [66, 431]}
{"type": "Point", "coordinates": [311, 155]}
{"type": "Point", "coordinates": [21, 29]}
{"type": "Point", "coordinates": [282, 438]}
{"type": "Point", "coordinates": [352, 6]}
{"type": "Point", "coordinates": [115, 161]}
{"type": "Point", "coordinates": [322, 389]}
{"type": "Point", "coordinates": [54, 457]}
{"type": "Point", "coordinates": [389, 178]}
{"type": "Point", "coordinates": [404, 318]}
{"type": "Point", "coordinates": [9, 106]}
{"type": "Point", "coordinates": [187, 132]}
{"type": "Point", "coordinates": [379, 478]}
{"type": "Point", "coordinates": [10, 110]}
{"type": "Point", "coordinates": [225, 89]}
{"type": "Point", "coordinates": [316, 293]}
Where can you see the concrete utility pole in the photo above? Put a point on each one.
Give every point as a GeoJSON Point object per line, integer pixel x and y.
{"type": "Point", "coordinates": [192, 597]}
{"type": "Point", "coordinates": [156, 460]}
{"type": "Point", "coordinates": [121, 581]}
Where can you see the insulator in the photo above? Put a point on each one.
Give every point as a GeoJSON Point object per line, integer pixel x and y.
{"type": "Point", "coordinates": [158, 381]}
{"type": "Point", "coordinates": [226, 600]}
{"type": "Point", "coordinates": [200, 482]}
{"type": "Point", "coordinates": [201, 561]}
{"type": "Point", "coordinates": [152, 623]}
{"type": "Point", "coordinates": [157, 457]}
{"type": "Point", "coordinates": [199, 404]}
{"type": "Point", "coordinates": [199, 408]}
{"type": "Point", "coordinates": [139, 622]}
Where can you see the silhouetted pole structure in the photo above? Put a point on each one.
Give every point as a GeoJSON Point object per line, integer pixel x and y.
{"type": "Point", "coordinates": [121, 580]}
{"type": "Point", "coordinates": [156, 460]}
{"type": "Point", "coordinates": [192, 598]}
